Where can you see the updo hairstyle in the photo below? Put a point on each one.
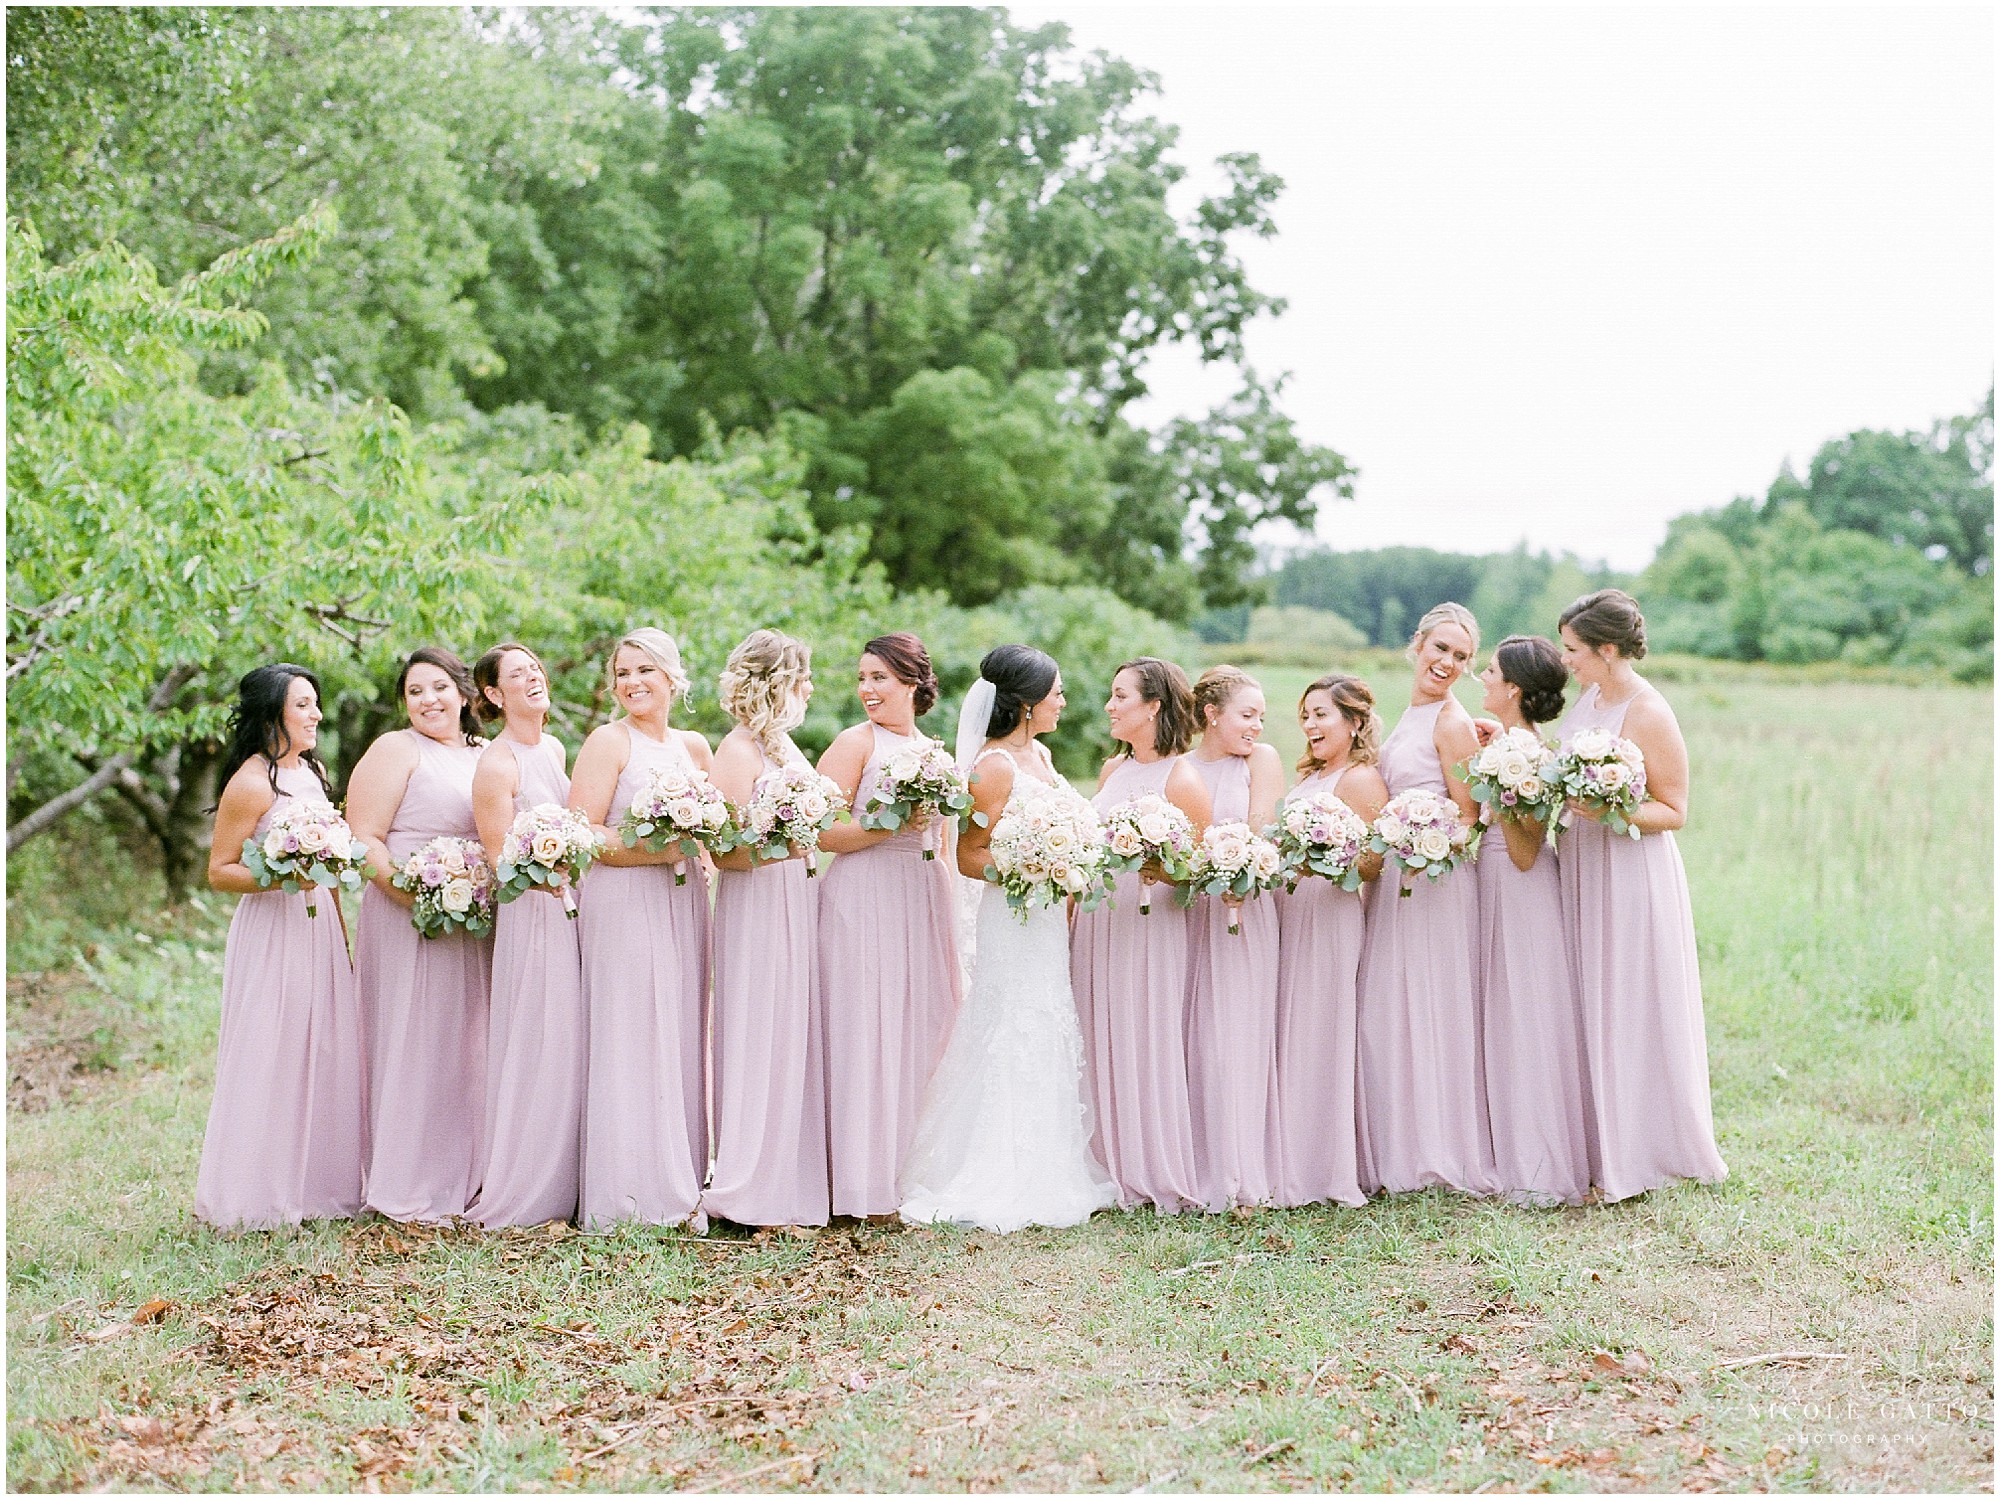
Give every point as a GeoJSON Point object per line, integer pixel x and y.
{"type": "Point", "coordinates": [486, 674]}
{"type": "Point", "coordinates": [1446, 613]}
{"type": "Point", "coordinates": [1164, 683]}
{"type": "Point", "coordinates": [657, 647]}
{"type": "Point", "coordinates": [1021, 678]}
{"type": "Point", "coordinates": [1215, 689]}
{"type": "Point", "coordinates": [1356, 702]}
{"type": "Point", "coordinates": [904, 655]}
{"type": "Point", "coordinates": [1609, 617]}
{"type": "Point", "coordinates": [449, 663]}
{"type": "Point", "coordinates": [1532, 664]}
{"type": "Point", "coordinates": [761, 687]}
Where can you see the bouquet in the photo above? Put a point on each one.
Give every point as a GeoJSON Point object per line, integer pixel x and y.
{"type": "Point", "coordinates": [1607, 774]}
{"type": "Point", "coordinates": [548, 845]}
{"type": "Point", "coordinates": [453, 885]}
{"type": "Point", "coordinates": [1318, 834]}
{"type": "Point", "coordinates": [307, 845]}
{"type": "Point", "coordinates": [1420, 832]}
{"type": "Point", "coordinates": [1233, 861]}
{"type": "Point", "coordinates": [679, 808]}
{"type": "Point", "coordinates": [1145, 829]}
{"type": "Point", "coordinates": [1045, 849]}
{"type": "Point", "coordinates": [790, 806]}
{"type": "Point", "coordinates": [918, 778]}
{"type": "Point", "coordinates": [1516, 776]}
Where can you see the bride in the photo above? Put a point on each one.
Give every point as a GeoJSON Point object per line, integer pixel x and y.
{"type": "Point", "coordinates": [1004, 1137]}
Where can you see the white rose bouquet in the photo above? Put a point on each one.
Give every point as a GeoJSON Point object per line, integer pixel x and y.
{"type": "Point", "coordinates": [453, 885]}
{"type": "Point", "coordinates": [917, 779]}
{"type": "Point", "coordinates": [307, 845]}
{"type": "Point", "coordinates": [790, 806]}
{"type": "Point", "coordinates": [1145, 830]}
{"type": "Point", "coordinates": [1420, 832]}
{"type": "Point", "coordinates": [1047, 848]}
{"type": "Point", "coordinates": [681, 808]}
{"type": "Point", "coordinates": [548, 846]}
{"type": "Point", "coordinates": [1233, 861]}
{"type": "Point", "coordinates": [1318, 834]}
{"type": "Point", "coordinates": [1518, 775]}
{"type": "Point", "coordinates": [1606, 773]}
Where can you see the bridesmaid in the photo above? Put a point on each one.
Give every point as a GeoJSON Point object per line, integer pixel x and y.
{"type": "Point", "coordinates": [1422, 1088]}
{"type": "Point", "coordinates": [770, 1055]}
{"type": "Point", "coordinates": [1319, 956]}
{"type": "Point", "coordinates": [1527, 1002]}
{"type": "Point", "coordinates": [1232, 1015]}
{"type": "Point", "coordinates": [424, 1000]}
{"type": "Point", "coordinates": [287, 1131]}
{"type": "Point", "coordinates": [888, 957]}
{"type": "Point", "coordinates": [645, 961]}
{"type": "Point", "coordinates": [1631, 929]}
{"type": "Point", "coordinates": [1129, 969]}
{"type": "Point", "coordinates": [535, 1050]}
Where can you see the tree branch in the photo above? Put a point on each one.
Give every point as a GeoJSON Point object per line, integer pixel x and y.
{"type": "Point", "coordinates": [45, 816]}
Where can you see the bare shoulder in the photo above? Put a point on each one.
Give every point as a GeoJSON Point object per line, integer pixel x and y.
{"type": "Point", "coordinates": [1367, 779]}
{"type": "Point", "coordinates": [612, 739]}
{"type": "Point", "coordinates": [1265, 757]}
{"type": "Point", "coordinates": [1650, 710]}
{"type": "Point", "coordinates": [497, 760]}
{"type": "Point", "coordinates": [854, 736]}
{"type": "Point", "coordinates": [250, 786]}
{"type": "Point", "coordinates": [1104, 771]}
{"type": "Point", "coordinates": [391, 752]}
{"type": "Point", "coordinates": [696, 744]}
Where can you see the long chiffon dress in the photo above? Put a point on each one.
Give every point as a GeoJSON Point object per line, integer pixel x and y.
{"type": "Point", "coordinates": [288, 1124]}
{"type": "Point", "coordinates": [769, 1075]}
{"type": "Point", "coordinates": [1631, 935]}
{"type": "Point", "coordinates": [645, 989]}
{"type": "Point", "coordinates": [426, 1003]}
{"type": "Point", "coordinates": [538, 1042]}
{"type": "Point", "coordinates": [1232, 1023]}
{"type": "Point", "coordinates": [1422, 1084]}
{"type": "Point", "coordinates": [888, 991]}
{"type": "Point", "coordinates": [1129, 971]}
{"type": "Point", "coordinates": [1528, 1016]}
{"type": "Point", "coordinates": [1319, 955]}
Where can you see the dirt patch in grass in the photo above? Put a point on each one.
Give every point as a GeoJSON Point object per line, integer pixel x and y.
{"type": "Point", "coordinates": [57, 1039]}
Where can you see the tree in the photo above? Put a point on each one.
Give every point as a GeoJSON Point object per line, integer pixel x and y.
{"type": "Point", "coordinates": [161, 539]}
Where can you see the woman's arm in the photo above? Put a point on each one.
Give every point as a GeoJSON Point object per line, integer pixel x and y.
{"type": "Point", "coordinates": [494, 782]}
{"type": "Point", "coordinates": [246, 799]}
{"type": "Point", "coordinates": [1525, 837]}
{"type": "Point", "coordinates": [737, 766]}
{"type": "Point", "coordinates": [1456, 743]}
{"type": "Point", "coordinates": [1363, 789]}
{"type": "Point", "coordinates": [1267, 786]}
{"type": "Point", "coordinates": [594, 784]}
{"type": "Point", "coordinates": [374, 793]}
{"type": "Point", "coordinates": [845, 759]}
{"type": "Point", "coordinates": [1650, 724]}
{"type": "Point", "coordinates": [992, 780]}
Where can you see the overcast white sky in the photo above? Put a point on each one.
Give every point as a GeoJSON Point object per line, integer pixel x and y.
{"type": "Point", "coordinates": [1562, 273]}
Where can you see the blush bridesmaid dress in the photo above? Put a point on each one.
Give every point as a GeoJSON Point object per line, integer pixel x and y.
{"type": "Point", "coordinates": [1630, 928]}
{"type": "Point", "coordinates": [426, 1003]}
{"type": "Point", "coordinates": [1421, 1069]}
{"type": "Point", "coordinates": [770, 1053]}
{"type": "Point", "coordinates": [1129, 972]}
{"type": "Point", "coordinates": [1232, 1023]}
{"type": "Point", "coordinates": [288, 1124]}
{"type": "Point", "coordinates": [888, 993]}
{"type": "Point", "coordinates": [645, 988]}
{"type": "Point", "coordinates": [537, 1046]}
{"type": "Point", "coordinates": [1319, 956]}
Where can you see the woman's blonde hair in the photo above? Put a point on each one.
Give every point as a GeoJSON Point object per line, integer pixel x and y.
{"type": "Point", "coordinates": [658, 648]}
{"type": "Point", "coordinates": [1356, 702]}
{"type": "Point", "coordinates": [760, 687]}
{"type": "Point", "coordinates": [1446, 613]}
{"type": "Point", "coordinates": [1215, 687]}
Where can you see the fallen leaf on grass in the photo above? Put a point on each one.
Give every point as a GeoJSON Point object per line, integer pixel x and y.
{"type": "Point", "coordinates": [152, 1312]}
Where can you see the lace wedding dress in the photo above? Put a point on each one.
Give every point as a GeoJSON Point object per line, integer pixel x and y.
{"type": "Point", "coordinates": [1004, 1138]}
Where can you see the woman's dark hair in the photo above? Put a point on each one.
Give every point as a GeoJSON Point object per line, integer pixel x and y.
{"type": "Point", "coordinates": [905, 656]}
{"type": "Point", "coordinates": [1164, 683]}
{"type": "Point", "coordinates": [1021, 678]}
{"type": "Point", "coordinates": [448, 663]}
{"type": "Point", "coordinates": [486, 674]}
{"type": "Point", "coordinates": [257, 727]}
{"type": "Point", "coordinates": [1609, 617]}
{"type": "Point", "coordinates": [1532, 664]}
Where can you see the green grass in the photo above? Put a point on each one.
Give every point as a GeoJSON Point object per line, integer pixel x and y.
{"type": "Point", "coordinates": [1841, 858]}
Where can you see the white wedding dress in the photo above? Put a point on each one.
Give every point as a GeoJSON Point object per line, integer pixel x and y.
{"type": "Point", "coordinates": [1004, 1137]}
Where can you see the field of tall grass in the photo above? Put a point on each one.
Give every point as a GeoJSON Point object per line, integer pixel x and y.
{"type": "Point", "coordinates": [1819, 1320]}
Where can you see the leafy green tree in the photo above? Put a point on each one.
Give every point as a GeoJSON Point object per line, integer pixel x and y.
{"type": "Point", "coordinates": [162, 539]}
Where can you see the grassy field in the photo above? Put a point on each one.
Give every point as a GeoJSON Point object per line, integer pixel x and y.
{"type": "Point", "coordinates": [1820, 1320]}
